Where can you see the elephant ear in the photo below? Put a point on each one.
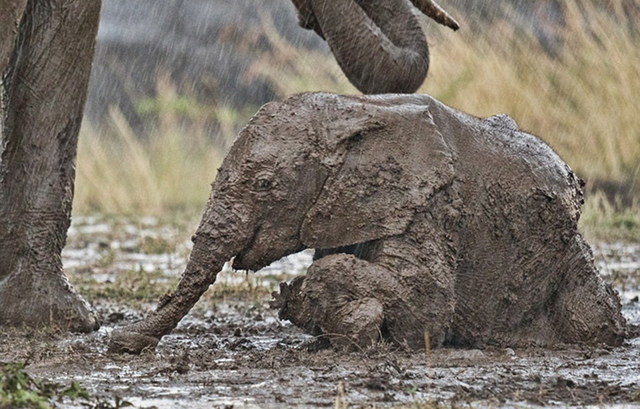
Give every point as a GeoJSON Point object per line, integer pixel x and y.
{"type": "Point", "coordinates": [383, 175]}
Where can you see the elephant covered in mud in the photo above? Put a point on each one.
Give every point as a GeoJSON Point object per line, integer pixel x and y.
{"type": "Point", "coordinates": [46, 50]}
{"type": "Point", "coordinates": [424, 220]}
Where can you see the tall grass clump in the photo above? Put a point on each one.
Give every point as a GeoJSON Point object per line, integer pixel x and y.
{"type": "Point", "coordinates": [582, 99]}
{"type": "Point", "coordinates": [607, 219]}
{"type": "Point", "coordinates": [119, 172]}
{"type": "Point", "coordinates": [162, 170]}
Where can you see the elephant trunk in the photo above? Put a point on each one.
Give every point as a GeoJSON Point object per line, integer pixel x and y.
{"type": "Point", "coordinates": [219, 237]}
{"type": "Point", "coordinates": [380, 47]}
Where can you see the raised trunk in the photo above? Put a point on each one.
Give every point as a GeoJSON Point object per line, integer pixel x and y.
{"type": "Point", "coordinates": [45, 72]}
{"type": "Point", "coordinates": [220, 236]}
{"type": "Point", "coordinates": [379, 45]}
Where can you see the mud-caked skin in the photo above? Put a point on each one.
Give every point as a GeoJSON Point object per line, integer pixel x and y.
{"type": "Point", "coordinates": [427, 223]}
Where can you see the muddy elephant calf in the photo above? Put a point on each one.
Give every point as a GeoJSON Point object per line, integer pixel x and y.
{"type": "Point", "coordinates": [424, 220]}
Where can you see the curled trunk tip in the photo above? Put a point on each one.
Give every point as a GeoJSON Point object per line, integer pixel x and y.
{"type": "Point", "coordinates": [206, 260]}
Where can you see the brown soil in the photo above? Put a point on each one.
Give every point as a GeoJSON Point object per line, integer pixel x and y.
{"type": "Point", "coordinates": [231, 351]}
{"type": "Point", "coordinates": [244, 357]}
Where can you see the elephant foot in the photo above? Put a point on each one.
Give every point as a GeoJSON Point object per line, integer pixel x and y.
{"type": "Point", "coordinates": [335, 301]}
{"type": "Point", "coordinates": [292, 305]}
{"type": "Point", "coordinates": [128, 341]}
{"type": "Point", "coordinates": [44, 300]}
{"type": "Point", "coordinates": [356, 325]}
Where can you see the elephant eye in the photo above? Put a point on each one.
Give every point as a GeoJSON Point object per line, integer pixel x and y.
{"type": "Point", "coordinates": [356, 136]}
{"type": "Point", "coordinates": [263, 184]}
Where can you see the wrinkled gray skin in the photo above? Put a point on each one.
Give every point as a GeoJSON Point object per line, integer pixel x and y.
{"type": "Point", "coordinates": [46, 49]}
{"type": "Point", "coordinates": [423, 218]}
{"type": "Point", "coordinates": [379, 44]}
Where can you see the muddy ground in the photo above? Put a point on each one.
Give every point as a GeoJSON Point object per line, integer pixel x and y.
{"type": "Point", "coordinates": [233, 352]}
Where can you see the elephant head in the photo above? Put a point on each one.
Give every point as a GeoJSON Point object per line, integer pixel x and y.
{"type": "Point", "coordinates": [379, 44]}
{"type": "Point", "coordinates": [315, 171]}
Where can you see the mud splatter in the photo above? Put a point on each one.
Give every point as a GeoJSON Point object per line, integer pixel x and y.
{"type": "Point", "coordinates": [232, 351]}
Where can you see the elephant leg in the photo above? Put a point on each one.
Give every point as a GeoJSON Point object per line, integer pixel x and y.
{"type": "Point", "coordinates": [355, 302]}
{"type": "Point", "coordinates": [342, 299]}
{"type": "Point", "coordinates": [354, 324]}
{"type": "Point", "coordinates": [46, 48]}
{"type": "Point", "coordinates": [587, 309]}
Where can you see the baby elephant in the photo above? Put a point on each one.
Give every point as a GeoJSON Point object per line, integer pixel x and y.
{"type": "Point", "coordinates": [425, 220]}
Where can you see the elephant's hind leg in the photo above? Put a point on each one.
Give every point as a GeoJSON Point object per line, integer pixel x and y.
{"type": "Point", "coordinates": [354, 303]}
{"type": "Point", "coordinates": [587, 310]}
{"type": "Point", "coordinates": [335, 300]}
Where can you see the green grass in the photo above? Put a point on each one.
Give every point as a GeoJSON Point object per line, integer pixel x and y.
{"type": "Point", "coordinates": [133, 286]}
{"type": "Point", "coordinates": [603, 219]}
{"type": "Point", "coordinates": [583, 102]}
{"type": "Point", "coordinates": [18, 389]}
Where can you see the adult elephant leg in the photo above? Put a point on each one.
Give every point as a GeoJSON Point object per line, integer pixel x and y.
{"type": "Point", "coordinates": [12, 11]}
{"type": "Point", "coordinates": [42, 95]}
{"type": "Point", "coordinates": [379, 45]}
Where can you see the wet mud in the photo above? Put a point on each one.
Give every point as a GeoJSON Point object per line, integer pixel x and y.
{"type": "Point", "coordinates": [232, 351]}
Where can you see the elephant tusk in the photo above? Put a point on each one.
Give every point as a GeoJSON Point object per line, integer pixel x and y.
{"type": "Point", "coordinates": [432, 10]}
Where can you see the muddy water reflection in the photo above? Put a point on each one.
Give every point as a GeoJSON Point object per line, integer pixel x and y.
{"type": "Point", "coordinates": [232, 351]}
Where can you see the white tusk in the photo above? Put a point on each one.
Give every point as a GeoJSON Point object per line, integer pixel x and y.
{"type": "Point", "coordinates": [432, 10]}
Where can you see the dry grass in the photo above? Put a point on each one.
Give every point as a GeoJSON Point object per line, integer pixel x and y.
{"type": "Point", "coordinates": [120, 173]}
{"type": "Point", "coordinates": [582, 101]}
{"type": "Point", "coordinates": [606, 219]}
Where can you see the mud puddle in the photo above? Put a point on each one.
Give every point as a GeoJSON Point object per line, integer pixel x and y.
{"type": "Point", "coordinates": [233, 352]}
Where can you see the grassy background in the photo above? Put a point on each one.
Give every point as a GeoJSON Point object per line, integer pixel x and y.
{"type": "Point", "coordinates": [583, 101]}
